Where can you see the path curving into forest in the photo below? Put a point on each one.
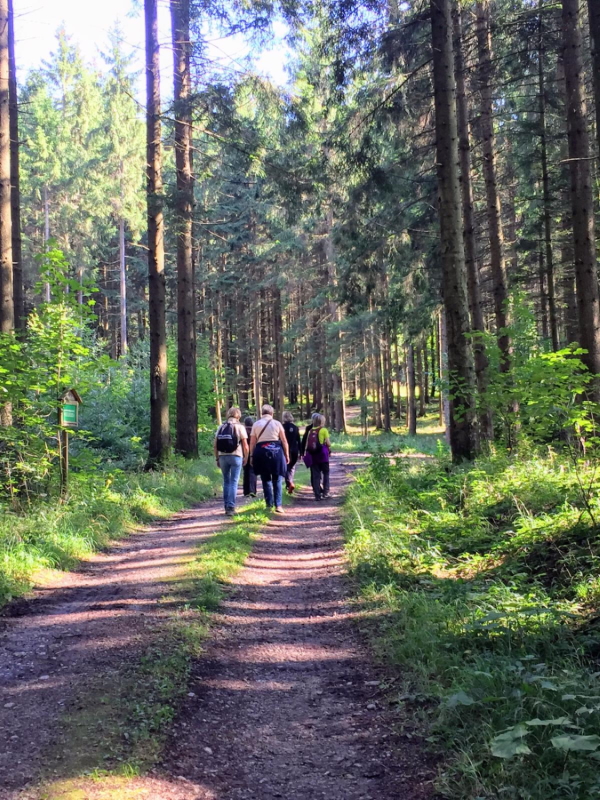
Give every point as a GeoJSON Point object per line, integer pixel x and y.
{"type": "Point", "coordinates": [285, 703]}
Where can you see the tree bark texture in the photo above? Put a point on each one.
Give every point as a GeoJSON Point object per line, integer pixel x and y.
{"type": "Point", "coordinates": [547, 197]}
{"type": "Point", "coordinates": [494, 211]}
{"type": "Point", "coordinates": [7, 307]}
{"type": "Point", "coordinates": [594, 15]}
{"type": "Point", "coordinates": [17, 258]}
{"type": "Point", "coordinates": [582, 197]}
{"type": "Point", "coordinates": [463, 433]}
{"type": "Point", "coordinates": [186, 437]}
{"type": "Point", "coordinates": [122, 288]}
{"type": "Point", "coordinates": [159, 403]}
{"type": "Point", "coordinates": [335, 345]}
{"type": "Point", "coordinates": [411, 391]}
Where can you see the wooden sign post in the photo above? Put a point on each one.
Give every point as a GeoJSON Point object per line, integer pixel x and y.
{"type": "Point", "coordinates": [68, 417]}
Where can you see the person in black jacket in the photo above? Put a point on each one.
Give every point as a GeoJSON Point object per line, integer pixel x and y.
{"type": "Point", "coordinates": [249, 474]}
{"type": "Point", "coordinates": [292, 434]}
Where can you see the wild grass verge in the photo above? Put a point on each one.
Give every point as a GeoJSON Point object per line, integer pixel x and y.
{"type": "Point", "coordinates": [124, 721]}
{"type": "Point", "coordinates": [429, 439]}
{"type": "Point", "coordinates": [487, 582]}
{"type": "Point", "coordinates": [100, 509]}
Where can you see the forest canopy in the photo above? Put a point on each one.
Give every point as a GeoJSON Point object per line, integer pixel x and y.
{"type": "Point", "coordinates": [411, 217]}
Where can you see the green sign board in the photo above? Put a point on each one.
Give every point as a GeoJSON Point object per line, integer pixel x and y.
{"type": "Point", "coordinates": [69, 414]}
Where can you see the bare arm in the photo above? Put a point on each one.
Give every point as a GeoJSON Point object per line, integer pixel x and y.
{"type": "Point", "coordinates": [245, 450]}
{"type": "Point", "coordinates": [216, 450]}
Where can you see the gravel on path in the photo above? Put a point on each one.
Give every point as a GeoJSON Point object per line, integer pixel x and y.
{"type": "Point", "coordinates": [287, 700]}
{"type": "Point", "coordinates": [286, 703]}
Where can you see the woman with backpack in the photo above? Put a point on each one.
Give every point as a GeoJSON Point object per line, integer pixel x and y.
{"type": "Point", "coordinates": [231, 453]}
{"type": "Point", "coordinates": [270, 456]}
{"type": "Point", "coordinates": [316, 456]}
{"type": "Point", "coordinates": [292, 434]}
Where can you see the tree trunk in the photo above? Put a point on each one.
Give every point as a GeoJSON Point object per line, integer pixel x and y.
{"type": "Point", "coordinates": [445, 409]}
{"type": "Point", "coordinates": [594, 14]}
{"type": "Point", "coordinates": [17, 258]}
{"type": "Point", "coordinates": [468, 207]}
{"type": "Point", "coordinates": [159, 403]}
{"type": "Point", "coordinates": [434, 358]}
{"type": "Point", "coordinates": [547, 197]}
{"type": "Point", "coordinates": [494, 211]}
{"type": "Point", "coordinates": [543, 295]}
{"type": "Point", "coordinates": [7, 307]}
{"type": "Point", "coordinates": [186, 436]}
{"type": "Point", "coordinates": [279, 373]}
{"type": "Point", "coordinates": [46, 202]}
{"type": "Point", "coordinates": [122, 288]}
{"type": "Point", "coordinates": [335, 345]}
{"type": "Point", "coordinates": [398, 372]}
{"type": "Point", "coordinates": [385, 382]}
{"type": "Point", "coordinates": [257, 366]}
{"type": "Point", "coordinates": [420, 382]}
{"type": "Point", "coordinates": [463, 432]}
{"type": "Point", "coordinates": [582, 197]}
{"type": "Point", "coordinates": [411, 391]}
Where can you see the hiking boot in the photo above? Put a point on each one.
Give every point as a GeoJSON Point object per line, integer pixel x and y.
{"type": "Point", "coordinates": [230, 512]}
{"type": "Point", "coordinates": [279, 510]}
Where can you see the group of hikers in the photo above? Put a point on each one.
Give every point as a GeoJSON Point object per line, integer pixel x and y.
{"type": "Point", "coordinates": [270, 449]}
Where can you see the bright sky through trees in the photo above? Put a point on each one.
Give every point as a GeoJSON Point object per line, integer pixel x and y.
{"type": "Point", "coordinates": [89, 24]}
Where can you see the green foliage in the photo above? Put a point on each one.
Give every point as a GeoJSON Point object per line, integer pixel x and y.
{"type": "Point", "coordinates": [540, 398]}
{"type": "Point", "coordinates": [487, 579]}
{"type": "Point", "coordinates": [101, 507]}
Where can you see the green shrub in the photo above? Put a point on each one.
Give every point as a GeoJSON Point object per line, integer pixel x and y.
{"type": "Point", "coordinates": [487, 577]}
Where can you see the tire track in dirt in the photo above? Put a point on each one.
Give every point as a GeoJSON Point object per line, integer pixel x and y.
{"type": "Point", "coordinates": [91, 624]}
{"type": "Point", "coordinates": [287, 703]}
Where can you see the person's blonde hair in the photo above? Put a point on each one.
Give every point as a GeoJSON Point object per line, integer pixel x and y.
{"type": "Point", "coordinates": [287, 416]}
{"type": "Point", "coordinates": [267, 409]}
{"type": "Point", "coordinates": [235, 412]}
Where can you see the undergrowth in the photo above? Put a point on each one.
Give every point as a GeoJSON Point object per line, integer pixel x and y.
{"type": "Point", "coordinates": [487, 582]}
{"type": "Point", "coordinates": [428, 440]}
{"type": "Point", "coordinates": [101, 508]}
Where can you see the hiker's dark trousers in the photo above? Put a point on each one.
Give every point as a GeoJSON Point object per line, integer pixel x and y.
{"type": "Point", "coordinates": [319, 479]}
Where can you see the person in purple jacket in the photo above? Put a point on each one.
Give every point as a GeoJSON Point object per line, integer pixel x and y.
{"type": "Point", "coordinates": [316, 456]}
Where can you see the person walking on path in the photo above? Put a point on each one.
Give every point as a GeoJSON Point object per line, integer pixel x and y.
{"type": "Point", "coordinates": [292, 434]}
{"type": "Point", "coordinates": [249, 474]}
{"type": "Point", "coordinates": [270, 456]}
{"type": "Point", "coordinates": [314, 420]}
{"type": "Point", "coordinates": [316, 456]}
{"type": "Point", "coordinates": [231, 453]}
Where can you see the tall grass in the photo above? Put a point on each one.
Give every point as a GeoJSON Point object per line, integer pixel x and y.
{"type": "Point", "coordinates": [100, 508]}
{"type": "Point", "coordinates": [487, 580]}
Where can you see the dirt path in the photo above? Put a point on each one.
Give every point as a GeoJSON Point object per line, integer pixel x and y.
{"type": "Point", "coordinates": [286, 703]}
{"type": "Point", "coordinates": [57, 648]}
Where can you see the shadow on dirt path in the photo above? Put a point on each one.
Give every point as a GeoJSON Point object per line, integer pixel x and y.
{"type": "Point", "coordinates": [55, 647]}
{"type": "Point", "coordinates": [287, 700]}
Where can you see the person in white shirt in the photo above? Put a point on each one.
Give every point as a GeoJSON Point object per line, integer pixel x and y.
{"type": "Point", "coordinates": [270, 456]}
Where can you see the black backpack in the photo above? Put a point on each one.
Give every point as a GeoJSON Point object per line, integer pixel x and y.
{"type": "Point", "coordinates": [227, 438]}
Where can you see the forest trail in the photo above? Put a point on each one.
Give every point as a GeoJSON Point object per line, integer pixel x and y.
{"type": "Point", "coordinates": [286, 700]}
